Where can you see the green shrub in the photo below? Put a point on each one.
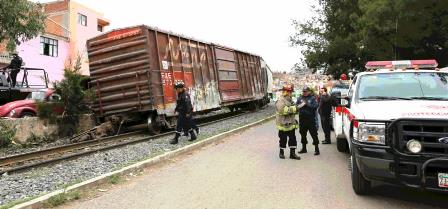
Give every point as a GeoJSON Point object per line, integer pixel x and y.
{"type": "Point", "coordinates": [73, 97]}
{"type": "Point", "coordinates": [6, 134]}
{"type": "Point", "coordinates": [46, 112]}
{"type": "Point", "coordinates": [63, 198]}
{"type": "Point", "coordinates": [114, 179]}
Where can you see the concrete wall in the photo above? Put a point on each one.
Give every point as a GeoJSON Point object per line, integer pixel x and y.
{"type": "Point", "coordinates": [27, 128]}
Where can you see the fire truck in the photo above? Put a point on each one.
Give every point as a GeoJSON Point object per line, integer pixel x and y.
{"type": "Point", "coordinates": [394, 124]}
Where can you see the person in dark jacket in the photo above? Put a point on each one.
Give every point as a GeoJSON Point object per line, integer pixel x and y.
{"type": "Point", "coordinates": [14, 66]}
{"type": "Point", "coordinates": [185, 109]}
{"type": "Point", "coordinates": [325, 114]}
{"type": "Point", "coordinates": [307, 119]}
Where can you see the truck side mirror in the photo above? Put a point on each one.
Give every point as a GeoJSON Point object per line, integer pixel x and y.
{"type": "Point", "coordinates": [345, 102]}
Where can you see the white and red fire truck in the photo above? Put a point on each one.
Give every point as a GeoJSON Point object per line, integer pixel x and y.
{"type": "Point", "coordinates": [394, 123]}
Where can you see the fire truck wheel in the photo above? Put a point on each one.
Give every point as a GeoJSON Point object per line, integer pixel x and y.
{"type": "Point", "coordinates": [360, 185]}
{"type": "Point", "coordinates": [342, 145]}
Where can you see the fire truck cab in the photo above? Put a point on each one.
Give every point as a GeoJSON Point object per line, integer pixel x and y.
{"type": "Point", "coordinates": [395, 125]}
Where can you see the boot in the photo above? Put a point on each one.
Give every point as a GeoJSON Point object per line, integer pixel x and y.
{"type": "Point", "coordinates": [292, 154]}
{"type": "Point", "coordinates": [303, 149]}
{"type": "Point", "coordinates": [327, 141]}
{"type": "Point", "coordinates": [197, 131]}
{"type": "Point", "coordinates": [316, 150]}
{"type": "Point", "coordinates": [193, 136]}
{"type": "Point", "coordinates": [282, 154]}
{"type": "Point", "coordinates": [175, 140]}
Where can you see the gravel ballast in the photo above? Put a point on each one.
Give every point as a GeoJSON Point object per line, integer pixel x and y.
{"type": "Point", "coordinates": [46, 179]}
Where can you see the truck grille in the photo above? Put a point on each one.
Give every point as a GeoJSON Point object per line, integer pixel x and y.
{"type": "Point", "coordinates": [427, 132]}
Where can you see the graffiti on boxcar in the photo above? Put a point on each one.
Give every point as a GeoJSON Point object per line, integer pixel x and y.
{"type": "Point", "coordinates": [188, 52]}
{"type": "Point", "coordinates": [204, 98]}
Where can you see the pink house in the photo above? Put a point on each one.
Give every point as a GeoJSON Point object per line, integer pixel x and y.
{"type": "Point", "coordinates": [67, 28]}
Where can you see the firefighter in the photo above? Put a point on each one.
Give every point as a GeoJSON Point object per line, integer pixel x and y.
{"type": "Point", "coordinates": [14, 66]}
{"type": "Point", "coordinates": [185, 110]}
{"type": "Point", "coordinates": [307, 119]}
{"type": "Point", "coordinates": [286, 122]}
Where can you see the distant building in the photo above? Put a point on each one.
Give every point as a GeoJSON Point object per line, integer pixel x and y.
{"type": "Point", "coordinates": [67, 28]}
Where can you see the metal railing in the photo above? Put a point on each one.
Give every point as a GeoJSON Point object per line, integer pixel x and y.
{"type": "Point", "coordinates": [24, 82]}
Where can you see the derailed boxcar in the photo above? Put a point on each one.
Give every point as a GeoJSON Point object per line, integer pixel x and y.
{"type": "Point", "coordinates": [133, 71]}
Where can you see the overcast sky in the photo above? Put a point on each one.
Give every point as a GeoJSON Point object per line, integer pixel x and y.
{"type": "Point", "coordinates": [261, 27]}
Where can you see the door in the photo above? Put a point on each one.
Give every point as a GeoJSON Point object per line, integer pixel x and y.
{"type": "Point", "coordinates": [229, 86]}
{"type": "Point", "coordinates": [347, 115]}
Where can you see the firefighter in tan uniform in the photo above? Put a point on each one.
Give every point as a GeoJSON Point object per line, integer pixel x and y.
{"type": "Point", "coordinates": [286, 122]}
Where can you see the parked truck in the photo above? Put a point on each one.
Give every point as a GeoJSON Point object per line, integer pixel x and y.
{"type": "Point", "coordinates": [394, 125]}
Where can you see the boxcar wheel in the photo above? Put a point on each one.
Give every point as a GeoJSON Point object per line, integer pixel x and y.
{"type": "Point", "coordinates": [153, 126]}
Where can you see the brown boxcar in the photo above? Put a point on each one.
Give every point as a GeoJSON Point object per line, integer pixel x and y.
{"type": "Point", "coordinates": [133, 71]}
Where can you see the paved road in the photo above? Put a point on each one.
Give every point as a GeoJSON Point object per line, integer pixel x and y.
{"type": "Point", "coordinates": [244, 171]}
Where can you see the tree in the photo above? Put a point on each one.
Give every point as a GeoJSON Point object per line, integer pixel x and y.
{"type": "Point", "coordinates": [73, 100]}
{"type": "Point", "coordinates": [345, 34]}
{"type": "Point", "coordinates": [405, 29]}
{"type": "Point", "coordinates": [20, 20]}
{"type": "Point", "coordinates": [72, 96]}
{"type": "Point", "coordinates": [328, 39]}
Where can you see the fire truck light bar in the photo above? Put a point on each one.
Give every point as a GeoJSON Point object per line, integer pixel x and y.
{"type": "Point", "coordinates": [402, 64]}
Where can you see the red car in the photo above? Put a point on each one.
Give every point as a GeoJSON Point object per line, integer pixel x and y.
{"type": "Point", "coordinates": [28, 107]}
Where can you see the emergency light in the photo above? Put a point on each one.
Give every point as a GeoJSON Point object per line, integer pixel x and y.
{"type": "Point", "coordinates": [402, 64]}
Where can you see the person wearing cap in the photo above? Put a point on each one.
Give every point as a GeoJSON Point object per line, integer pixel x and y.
{"type": "Point", "coordinates": [307, 119]}
{"type": "Point", "coordinates": [185, 109]}
{"type": "Point", "coordinates": [15, 65]}
{"type": "Point", "coordinates": [286, 122]}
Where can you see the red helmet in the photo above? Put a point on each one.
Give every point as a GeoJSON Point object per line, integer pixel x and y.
{"type": "Point", "coordinates": [288, 87]}
{"type": "Point", "coordinates": [343, 77]}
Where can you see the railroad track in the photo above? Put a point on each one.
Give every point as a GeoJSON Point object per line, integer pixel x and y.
{"type": "Point", "coordinates": [26, 161]}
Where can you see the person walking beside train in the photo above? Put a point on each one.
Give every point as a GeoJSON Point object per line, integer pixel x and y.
{"type": "Point", "coordinates": [307, 119]}
{"type": "Point", "coordinates": [185, 109]}
{"type": "Point", "coordinates": [286, 122]}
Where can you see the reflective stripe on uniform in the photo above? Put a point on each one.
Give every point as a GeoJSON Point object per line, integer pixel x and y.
{"type": "Point", "coordinates": [293, 109]}
{"type": "Point", "coordinates": [288, 110]}
{"type": "Point", "coordinates": [288, 128]}
{"type": "Point", "coordinates": [285, 110]}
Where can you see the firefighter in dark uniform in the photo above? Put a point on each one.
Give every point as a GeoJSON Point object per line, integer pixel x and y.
{"type": "Point", "coordinates": [307, 119]}
{"type": "Point", "coordinates": [14, 66]}
{"type": "Point", "coordinates": [286, 122]}
{"type": "Point", "coordinates": [185, 109]}
{"type": "Point", "coordinates": [325, 114]}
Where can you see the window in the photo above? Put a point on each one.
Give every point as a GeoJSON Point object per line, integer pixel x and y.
{"type": "Point", "coordinates": [82, 19]}
{"type": "Point", "coordinates": [404, 85]}
{"type": "Point", "coordinates": [100, 28]}
{"type": "Point", "coordinates": [48, 46]}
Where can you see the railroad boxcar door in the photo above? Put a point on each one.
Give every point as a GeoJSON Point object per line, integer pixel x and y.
{"type": "Point", "coordinates": [229, 86]}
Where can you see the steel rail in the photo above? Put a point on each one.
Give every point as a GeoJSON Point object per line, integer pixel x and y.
{"type": "Point", "coordinates": [21, 162]}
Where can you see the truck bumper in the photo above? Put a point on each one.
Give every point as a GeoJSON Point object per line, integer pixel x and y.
{"type": "Point", "coordinates": [415, 172]}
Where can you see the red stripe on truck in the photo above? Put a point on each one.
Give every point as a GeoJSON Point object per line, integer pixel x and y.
{"type": "Point", "coordinates": [350, 116]}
